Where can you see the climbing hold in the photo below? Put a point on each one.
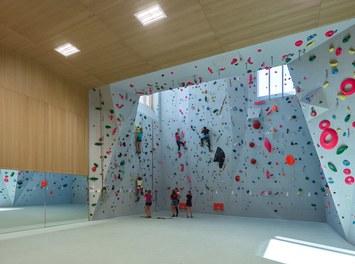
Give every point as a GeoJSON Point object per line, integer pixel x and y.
{"type": "Point", "coordinates": [341, 96]}
{"type": "Point", "coordinates": [351, 51]}
{"type": "Point", "coordinates": [349, 180]}
{"type": "Point", "coordinates": [253, 161]}
{"type": "Point", "coordinates": [298, 43]}
{"type": "Point", "coordinates": [325, 84]}
{"type": "Point", "coordinates": [346, 119]}
{"type": "Point", "coordinates": [93, 178]}
{"type": "Point", "coordinates": [338, 51]}
{"type": "Point", "coordinates": [341, 149]}
{"type": "Point", "coordinates": [259, 102]}
{"type": "Point", "coordinates": [344, 86]}
{"type": "Point", "coordinates": [267, 145]}
{"type": "Point", "coordinates": [290, 160]}
{"type": "Point", "coordinates": [346, 162]}
{"type": "Point", "coordinates": [251, 144]}
{"type": "Point", "coordinates": [237, 178]}
{"type": "Point", "coordinates": [324, 124]}
{"type": "Point", "coordinates": [44, 183]}
{"type": "Point", "coordinates": [333, 63]}
{"type": "Point", "coordinates": [329, 138]}
{"type": "Point", "coordinates": [347, 171]}
{"type": "Point", "coordinates": [256, 124]}
{"type": "Point", "coordinates": [93, 169]}
{"type": "Point", "coordinates": [98, 144]}
{"type": "Point", "coordinates": [219, 157]}
{"type": "Point", "coordinates": [310, 43]}
{"type": "Point", "coordinates": [346, 38]}
{"type": "Point", "coordinates": [331, 49]}
{"type": "Point", "coordinates": [312, 58]}
{"type": "Point", "coordinates": [329, 33]}
{"type": "Point", "coordinates": [332, 167]}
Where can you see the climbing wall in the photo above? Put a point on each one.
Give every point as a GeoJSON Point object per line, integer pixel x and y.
{"type": "Point", "coordinates": [24, 188]}
{"type": "Point", "coordinates": [325, 82]}
{"type": "Point", "coordinates": [115, 164]}
{"type": "Point", "coordinates": [254, 180]}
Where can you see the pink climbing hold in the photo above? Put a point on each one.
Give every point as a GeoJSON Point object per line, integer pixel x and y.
{"type": "Point", "coordinates": [181, 111]}
{"type": "Point", "coordinates": [234, 61]}
{"type": "Point", "coordinates": [298, 43]}
{"type": "Point", "coordinates": [210, 70]}
{"type": "Point", "coordinates": [267, 145]}
{"type": "Point", "coordinates": [182, 167]}
{"type": "Point", "coordinates": [249, 61]}
{"type": "Point", "coordinates": [329, 33]}
{"type": "Point", "coordinates": [188, 179]}
{"type": "Point", "coordinates": [338, 51]}
{"type": "Point", "coordinates": [349, 180]}
{"type": "Point", "coordinates": [261, 102]}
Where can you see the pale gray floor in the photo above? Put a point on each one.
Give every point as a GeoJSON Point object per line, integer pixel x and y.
{"type": "Point", "coordinates": [205, 239]}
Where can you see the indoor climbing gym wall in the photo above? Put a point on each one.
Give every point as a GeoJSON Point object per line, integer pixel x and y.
{"type": "Point", "coordinates": [119, 175]}
{"type": "Point", "coordinates": [325, 82]}
{"type": "Point", "coordinates": [25, 188]}
{"type": "Point", "coordinates": [261, 164]}
{"type": "Point", "coordinates": [262, 160]}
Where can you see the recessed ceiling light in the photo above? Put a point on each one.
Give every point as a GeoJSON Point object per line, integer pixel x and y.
{"type": "Point", "coordinates": [150, 15]}
{"type": "Point", "coordinates": [67, 49]}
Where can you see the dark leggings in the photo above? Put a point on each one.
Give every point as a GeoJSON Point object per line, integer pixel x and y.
{"type": "Point", "coordinates": [179, 143]}
{"type": "Point", "coordinates": [207, 139]}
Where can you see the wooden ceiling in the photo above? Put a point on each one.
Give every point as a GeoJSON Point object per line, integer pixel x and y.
{"type": "Point", "coordinates": [115, 46]}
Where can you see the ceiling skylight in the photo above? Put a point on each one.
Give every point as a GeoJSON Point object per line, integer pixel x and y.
{"type": "Point", "coordinates": [67, 49]}
{"type": "Point", "coordinates": [150, 15]}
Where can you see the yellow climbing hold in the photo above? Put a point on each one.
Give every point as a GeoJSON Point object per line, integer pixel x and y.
{"type": "Point", "coordinates": [331, 49]}
{"type": "Point", "coordinates": [310, 44]}
{"type": "Point", "coordinates": [325, 84]}
{"type": "Point", "coordinates": [333, 63]}
{"type": "Point", "coordinates": [351, 51]}
{"type": "Point", "coordinates": [341, 96]}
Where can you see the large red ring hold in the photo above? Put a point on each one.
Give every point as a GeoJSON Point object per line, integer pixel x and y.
{"type": "Point", "coordinates": [346, 82]}
{"type": "Point", "coordinates": [324, 124]}
{"type": "Point", "coordinates": [333, 140]}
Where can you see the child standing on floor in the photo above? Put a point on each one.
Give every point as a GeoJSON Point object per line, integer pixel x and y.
{"type": "Point", "coordinates": [148, 203]}
{"type": "Point", "coordinates": [178, 201]}
{"type": "Point", "coordinates": [189, 204]}
{"type": "Point", "coordinates": [174, 201]}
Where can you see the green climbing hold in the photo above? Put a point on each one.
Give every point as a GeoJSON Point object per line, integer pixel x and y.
{"type": "Point", "coordinates": [346, 38]}
{"type": "Point", "coordinates": [96, 165]}
{"type": "Point", "coordinates": [287, 60]}
{"type": "Point", "coordinates": [108, 127]}
{"type": "Point", "coordinates": [112, 111]}
{"type": "Point", "coordinates": [93, 178]}
{"type": "Point", "coordinates": [98, 108]}
{"type": "Point", "coordinates": [322, 189]}
{"type": "Point", "coordinates": [249, 71]}
{"type": "Point", "coordinates": [332, 167]}
{"type": "Point", "coordinates": [346, 119]}
{"type": "Point", "coordinates": [341, 149]}
{"type": "Point", "coordinates": [312, 58]}
{"type": "Point", "coordinates": [206, 99]}
{"type": "Point", "coordinates": [215, 111]}
{"type": "Point", "coordinates": [94, 204]}
{"type": "Point", "coordinates": [353, 63]}
{"type": "Point", "coordinates": [98, 144]}
{"type": "Point", "coordinates": [314, 205]}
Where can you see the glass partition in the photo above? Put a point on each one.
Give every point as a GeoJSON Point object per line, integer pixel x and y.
{"type": "Point", "coordinates": [30, 200]}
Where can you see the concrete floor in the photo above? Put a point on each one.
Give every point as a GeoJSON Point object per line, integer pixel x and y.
{"type": "Point", "coordinates": [203, 239]}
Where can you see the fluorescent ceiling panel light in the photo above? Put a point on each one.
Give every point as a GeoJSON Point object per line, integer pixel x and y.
{"type": "Point", "coordinates": [150, 15]}
{"type": "Point", "coordinates": [67, 49]}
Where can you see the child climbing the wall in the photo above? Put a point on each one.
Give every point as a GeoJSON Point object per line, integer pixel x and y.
{"type": "Point", "coordinates": [139, 136]}
{"type": "Point", "coordinates": [189, 204]}
{"type": "Point", "coordinates": [205, 137]}
{"type": "Point", "coordinates": [178, 140]}
{"type": "Point", "coordinates": [148, 203]}
{"type": "Point", "coordinates": [174, 201]}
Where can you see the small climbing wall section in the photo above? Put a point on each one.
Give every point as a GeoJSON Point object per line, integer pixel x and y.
{"type": "Point", "coordinates": [325, 83]}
